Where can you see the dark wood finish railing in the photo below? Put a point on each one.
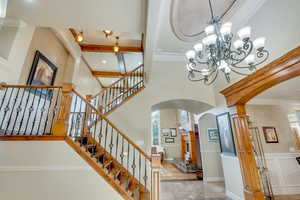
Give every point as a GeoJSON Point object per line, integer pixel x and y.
{"type": "Point", "coordinates": [28, 110]}
{"type": "Point", "coordinates": [117, 93]}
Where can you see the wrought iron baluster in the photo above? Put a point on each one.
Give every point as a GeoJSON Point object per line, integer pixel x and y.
{"type": "Point", "coordinates": [19, 109]}
{"type": "Point", "coordinates": [116, 155]}
{"type": "Point", "coordinates": [55, 110]}
{"type": "Point", "coordinates": [24, 111]}
{"type": "Point", "coordinates": [3, 98]}
{"type": "Point", "coordinates": [102, 103]}
{"type": "Point", "coordinates": [11, 113]}
{"type": "Point", "coordinates": [42, 112]}
{"type": "Point", "coordinates": [31, 109]}
{"type": "Point", "coordinates": [109, 101]}
{"type": "Point", "coordinates": [73, 111]}
{"type": "Point", "coordinates": [140, 166]}
{"type": "Point", "coordinates": [6, 109]}
{"type": "Point", "coordinates": [145, 175]}
{"type": "Point", "coordinates": [100, 134]}
{"type": "Point", "coordinates": [105, 103]}
{"type": "Point", "coordinates": [80, 120]}
{"type": "Point", "coordinates": [111, 145]}
{"type": "Point", "coordinates": [133, 166]}
{"type": "Point", "coordinates": [122, 152]}
{"type": "Point", "coordinates": [51, 93]}
{"type": "Point", "coordinates": [127, 166]}
{"type": "Point", "coordinates": [36, 111]}
{"type": "Point", "coordinates": [105, 137]}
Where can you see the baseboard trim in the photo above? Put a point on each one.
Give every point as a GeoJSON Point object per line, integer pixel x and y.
{"type": "Point", "coordinates": [213, 179]}
{"type": "Point", "coordinates": [286, 190]}
{"type": "Point", "coordinates": [233, 196]}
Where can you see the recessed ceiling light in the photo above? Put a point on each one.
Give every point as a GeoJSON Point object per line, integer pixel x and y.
{"type": "Point", "coordinates": [104, 61]}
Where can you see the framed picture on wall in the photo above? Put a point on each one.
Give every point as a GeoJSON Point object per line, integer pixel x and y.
{"type": "Point", "coordinates": [225, 134]}
{"type": "Point", "coordinates": [173, 132]}
{"type": "Point", "coordinates": [169, 140]}
{"type": "Point", "coordinates": [165, 132]}
{"type": "Point", "coordinates": [42, 71]}
{"type": "Point", "coordinates": [270, 134]}
{"type": "Point", "coordinates": [213, 134]}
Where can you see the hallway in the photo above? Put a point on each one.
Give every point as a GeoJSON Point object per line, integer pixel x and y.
{"type": "Point", "coordinates": [192, 190]}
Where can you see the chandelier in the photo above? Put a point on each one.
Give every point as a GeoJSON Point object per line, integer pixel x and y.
{"type": "Point", "coordinates": [218, 53]}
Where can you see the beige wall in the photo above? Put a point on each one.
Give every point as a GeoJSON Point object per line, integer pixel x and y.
{"type": "Point", "coordinates": [85, 83]}
{"type": "Point", "coordinates": [11, 67]}
{"type": "Point", "coordinates": [210, 151]}
{"type": "Point", "coordinates": [47, 43]}
{"type": "Point", "coordinates": [48, 170]}
{"type": "Point", "coordinates": [274, 116]}
{"type": "Point", "coordinates": [168, 119]}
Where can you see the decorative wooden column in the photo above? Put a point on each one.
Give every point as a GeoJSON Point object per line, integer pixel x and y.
{"type": "Point", "coordinates": [252, 187]}
{"type": "Point", "coordinates": [62, 123]}
{"type": "Point", "coordinates": [155, 176]}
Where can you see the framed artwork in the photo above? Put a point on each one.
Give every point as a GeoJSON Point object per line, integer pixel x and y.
{"type": "Point", "coordinates": [213, 134]}
{"type": "Point", "coordinates": [42, 72]}
{"type": "Point", "coordinates": [165, 132]}
{"type": "Point", "coordinates": [173, 132]}
{"type": "Point", "coordinates": [169, 140]}
{"type": "Point", "coordinates": [298, 160]}
{"type": "Point", "coordinates": [225, 134]}
{"type": "Point", "coordinates": [270, 134]}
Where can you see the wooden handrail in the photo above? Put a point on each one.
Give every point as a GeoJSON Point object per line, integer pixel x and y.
{"type": "Point", "coordinates": [29, 86]}
{"type": "Point", "coordinates": [113, 126]}
{"type": "Point", "coordinates": [121, 79]}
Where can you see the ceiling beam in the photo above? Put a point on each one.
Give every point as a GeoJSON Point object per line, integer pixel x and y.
{"type": "Point", "coordinates": [108, 48]}
{"type": "Point", "coordinates": [108, 74]}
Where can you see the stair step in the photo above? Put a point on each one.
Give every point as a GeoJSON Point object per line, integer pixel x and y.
{"type": "Point", "coordinates": [83, 140]}
{"type": "Point", "coordinates": [108, 163]}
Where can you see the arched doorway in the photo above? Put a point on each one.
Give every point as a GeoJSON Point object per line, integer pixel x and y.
{"type": "Point", "coordinates": [238, 94]}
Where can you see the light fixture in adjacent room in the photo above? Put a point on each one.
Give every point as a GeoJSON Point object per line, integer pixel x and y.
{"type": "Point", "coordinates": [215, 53]}
{"type": "Point", "coordinates": [107, 33]}
{"type": "Point", "coordinates": [80, 37]}
{"type": "Point", "coordinates": [103, 61]}
{"type": "Point", "coordinates": [116, 47]}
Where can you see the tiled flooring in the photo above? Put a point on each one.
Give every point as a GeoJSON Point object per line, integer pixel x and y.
{"type": "Point", "coordinates": [192, 190]}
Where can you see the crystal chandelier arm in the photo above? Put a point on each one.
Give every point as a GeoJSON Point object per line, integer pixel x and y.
{"type": "Point", "coordinates": [198, 60]}
{"type": "Point", "coordinates": [240, 73]}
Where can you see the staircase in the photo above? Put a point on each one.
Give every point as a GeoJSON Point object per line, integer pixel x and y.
{"type": "Point", "coordinates": [61, 113]}
{"type": "Point", "coordinates": [120, 91]}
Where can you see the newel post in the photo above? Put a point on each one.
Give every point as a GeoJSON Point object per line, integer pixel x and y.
{"type": "Point", "coordinates": [62, 123]}
{"type": "Point", "coordinates": [252, 187]}
{"type": "Point", "coordinates": [155, 175]}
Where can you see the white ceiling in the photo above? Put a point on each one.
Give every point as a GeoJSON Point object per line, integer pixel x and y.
{"type": "Point", "coordinates": [190, 17]}
{"type": "Point", "coordinates": [123, 16]}
{"type": "Point", "coordinates": [109, 62]}
{"type": "Point", "coordinates": [93, 36]}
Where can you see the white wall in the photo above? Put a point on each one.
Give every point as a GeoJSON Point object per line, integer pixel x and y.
{"type": "Point", "coordinates": [167, 81]}
{"type": "Point", "coordinates": [284, 172]}
{"type": "Point", "coordinates": [168, 119]}
{"type": "Point", "coordinates": [48, 170]}
{"type": "Point", "coordinates": [233, 177]}
{"type": "Point", "coordinates": [11, 68]}
{"type": "Point", "coordinates": [210, 151]}
{"type": "Point", "coordinates": [274, 116]}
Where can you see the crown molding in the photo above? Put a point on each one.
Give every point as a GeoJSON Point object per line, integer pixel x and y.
{"type": "Point", "coordinates": [168, 56]}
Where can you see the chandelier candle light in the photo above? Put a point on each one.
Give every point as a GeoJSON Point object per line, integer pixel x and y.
{"type": "Point", "coordinates": [215, 53]}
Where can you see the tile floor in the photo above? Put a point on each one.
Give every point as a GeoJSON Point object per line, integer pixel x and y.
{"type": "Point", "coordinates": [192, 190]}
